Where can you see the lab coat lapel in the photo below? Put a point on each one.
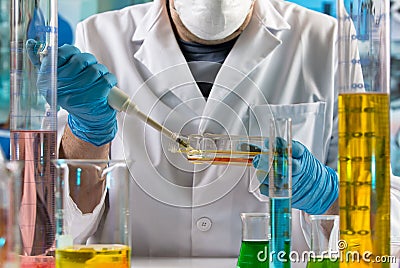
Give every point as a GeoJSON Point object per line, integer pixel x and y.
{"type": "Point", "coordinates": [160, 53]}
{"type": "Point", "coordinates": [233, 77]}
{"type": "Point", "coordinates": [247, 55]}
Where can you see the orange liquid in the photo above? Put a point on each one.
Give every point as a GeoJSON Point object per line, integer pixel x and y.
{"type": "Point", "coordinates": [221, 157]}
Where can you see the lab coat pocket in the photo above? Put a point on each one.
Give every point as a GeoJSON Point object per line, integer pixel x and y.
{"type": "Point", "coordinates": [308, 120]}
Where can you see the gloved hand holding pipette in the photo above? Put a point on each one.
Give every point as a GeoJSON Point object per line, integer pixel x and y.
{"type": "Point", "coordinates": [86, 89]}
{"type": "Point", "coordinates": [314, 185]}
{"type": "Point", "coordinates": [82, 89]}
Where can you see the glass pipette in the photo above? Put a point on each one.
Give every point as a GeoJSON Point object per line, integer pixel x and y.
{"type": "Point", "coordinates": [121, 102]}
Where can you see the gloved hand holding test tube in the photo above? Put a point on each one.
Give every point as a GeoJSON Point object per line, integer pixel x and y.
{"type": "Point", "coordinates": [314, 186]}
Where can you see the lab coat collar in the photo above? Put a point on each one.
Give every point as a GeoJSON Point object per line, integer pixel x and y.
{"type": "Point", "coordinates": [159, 47]}
{"type": "Point", "coordinates": [160, 53]}
{"type": "Point", "coordinates": [149, 20]}
{"type": "Point", "coordinates": [155, 31]}
{"type": "Point", "coordinates": [266, 14]}
{"type": "Point", "coordinates": [159, 50]}
{"type": "Point", "coordinates": [269, 16]}
{"type": "Point", "coordinates": [245, 56]}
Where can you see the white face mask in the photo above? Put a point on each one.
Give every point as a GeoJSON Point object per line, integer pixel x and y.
{"type": "Point", "coordinates": [212, 19]}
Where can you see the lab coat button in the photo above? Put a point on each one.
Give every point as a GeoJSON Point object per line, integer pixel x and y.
{"type": "Point", "coordinates": [204, 224]}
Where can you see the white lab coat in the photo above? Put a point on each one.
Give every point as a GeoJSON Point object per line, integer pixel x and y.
{"type": "Point", "coordinates": [284, 63]}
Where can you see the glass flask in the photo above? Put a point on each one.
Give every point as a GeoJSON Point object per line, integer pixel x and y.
{"type": "Point", "coordinates": [10, 179]}
{"type": "Point", "coordinates": [324, 241]}
{"type": "Point", "coordinates": [363, 128]}
{"type": "Point", "coordinates": [33, 120]}
{"type": "Point", "coordinates": [255, 241]}
{"type": "Point", "coordinates": [92, 230]}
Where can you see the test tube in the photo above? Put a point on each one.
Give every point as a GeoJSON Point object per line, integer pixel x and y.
{"type": "Point", "coordinates": [363, 126]}
{"type": "Point", "coordinates": [33, 120]}
{"type": "Point", "coordinates": [280, 190]}
{"type": "Point", "coordinates": [220, 149]}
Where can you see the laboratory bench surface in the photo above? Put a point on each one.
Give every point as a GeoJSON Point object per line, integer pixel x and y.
{"type": "Point", "coordinates": [142, 262]}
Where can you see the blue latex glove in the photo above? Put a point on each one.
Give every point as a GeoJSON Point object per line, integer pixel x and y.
{"type": "Point", "coordinates": [314, 185]}
{"type": "Point", "coordinates": [82, 89]}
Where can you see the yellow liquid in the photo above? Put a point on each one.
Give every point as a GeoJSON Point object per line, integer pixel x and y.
{"type": "Point", "coordinates": [91, 256]}
{"type": "Point", "coordinates": [364, 171]}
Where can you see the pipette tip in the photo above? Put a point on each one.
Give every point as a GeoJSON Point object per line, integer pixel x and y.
{"type": "Point", "coordinates": [182, 142]}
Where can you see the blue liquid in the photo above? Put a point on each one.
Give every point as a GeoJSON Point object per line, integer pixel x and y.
{"type": "Point", "coordinates": [280, 232]}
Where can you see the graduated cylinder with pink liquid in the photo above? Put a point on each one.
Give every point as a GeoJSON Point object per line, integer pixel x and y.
{"type": "Point", "coordinates": [33, 123]}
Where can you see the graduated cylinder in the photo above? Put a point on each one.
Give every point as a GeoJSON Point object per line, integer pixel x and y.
{"type": "Point", "coordinates": [33, 123]}
{"type": "Point", "coordinates": [364, 138]}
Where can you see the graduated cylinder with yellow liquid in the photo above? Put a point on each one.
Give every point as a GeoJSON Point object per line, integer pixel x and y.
{"type": "Point", "coordinates": [364, 137]}
{"type": "Point", "coordinates": [364, 177]}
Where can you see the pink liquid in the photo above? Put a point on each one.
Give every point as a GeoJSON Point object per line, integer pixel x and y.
{"type": "Point", "coordinates": [3, 235]}
{"type": "Point", "coordinates": [8, 255]}
{"type": "Point", "coordinates": [37, 262]}
{"type": "Point", "coordinates": [37, 149]}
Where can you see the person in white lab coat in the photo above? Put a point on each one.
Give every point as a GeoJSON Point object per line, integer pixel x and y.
{"type": "Point", "coordinates": [279, 60]}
